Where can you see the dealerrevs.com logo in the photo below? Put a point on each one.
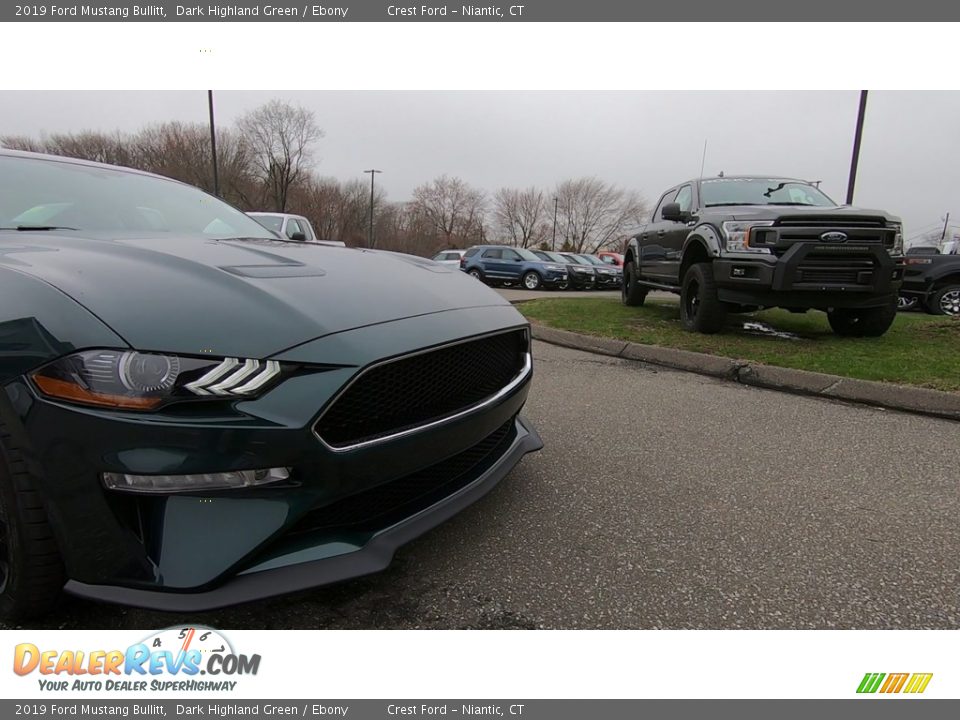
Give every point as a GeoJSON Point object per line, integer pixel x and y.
{"type": "Point", "coordinates": [176, 659]}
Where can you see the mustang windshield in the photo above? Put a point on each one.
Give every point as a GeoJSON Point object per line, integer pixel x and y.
{"type": "Point", "coordinates": [717, 192]}
{"type": "Point", "coordinates": [42, 194]}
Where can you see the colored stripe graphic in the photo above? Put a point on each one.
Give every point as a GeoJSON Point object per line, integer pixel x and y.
{"type": "Point", "coordinates": [918, 683]}
{"type": "Point", "coordinates": [870, 682]}
{"type": "Point", "coordinates": [894, 683]}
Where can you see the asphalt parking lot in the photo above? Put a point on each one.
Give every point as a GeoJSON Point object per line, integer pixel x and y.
{"type": "Point", "coordinates": [666, 500]}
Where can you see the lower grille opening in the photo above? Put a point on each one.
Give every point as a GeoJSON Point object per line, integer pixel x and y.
{"type": "Point", "coordinates": [386, 504]}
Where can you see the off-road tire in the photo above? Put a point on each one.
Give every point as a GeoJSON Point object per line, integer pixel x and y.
{"type": "Point", "coordinates": [631, 292]}
{"type": "Point", "coordinates": [700, 307]}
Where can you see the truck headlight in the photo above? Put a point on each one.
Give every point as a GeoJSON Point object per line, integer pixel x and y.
{"type": "Point", "coordinates": [737, 235]}
{"type": "Point", "coordinates": [897, 248]}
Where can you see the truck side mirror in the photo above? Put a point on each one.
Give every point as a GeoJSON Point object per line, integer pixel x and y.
{"type": "Point", "coordinates": [298, 237]}
{"type": "Point", "coordinates": [671, 211]}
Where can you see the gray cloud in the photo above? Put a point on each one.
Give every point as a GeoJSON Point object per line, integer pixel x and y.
{"type": "Point", "coordinates": [643, 140]}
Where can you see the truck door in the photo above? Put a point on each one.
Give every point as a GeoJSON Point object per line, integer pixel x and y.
{"type": "Point", "coordinates": [653, 253]}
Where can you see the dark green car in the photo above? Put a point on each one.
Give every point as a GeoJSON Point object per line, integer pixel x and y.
{"type": "Point", "coordinates": [196, 413]}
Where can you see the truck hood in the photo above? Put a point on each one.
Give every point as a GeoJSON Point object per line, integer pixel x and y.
{"type": "Point", "coordinates": [843, 213]}
{"type": "Point", "coordinates": [236, 298]}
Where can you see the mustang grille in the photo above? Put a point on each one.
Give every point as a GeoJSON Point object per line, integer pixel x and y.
{"type": "Point", "coordinates": [417, 389]}
{"type": "Point", "coordinates": [379, 507]}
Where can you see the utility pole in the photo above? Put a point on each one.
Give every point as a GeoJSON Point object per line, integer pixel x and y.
{"type": "Point", "coordinates": [553, 243]}
{"type": "Point", "coordinates": [946, 222]}
{"type": "Point", "coordinates": [372, 174]}
{"type": "Point", "coordinates": [855, 160]}
{"type": "Point", "coordinates": [213, 146]}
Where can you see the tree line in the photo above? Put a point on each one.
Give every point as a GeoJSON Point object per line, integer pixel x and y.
{"type": "Point", "coordinates": [267, 161]}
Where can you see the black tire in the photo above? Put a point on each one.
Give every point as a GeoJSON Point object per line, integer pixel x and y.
{"type": "Point", "coordinates": [474, 273]}
{"type": "Point", "coordinates": [31, 570]}
{"type": "Point", "coordinates": [871, 322]}
{"type": "Point", "coordinates": [563, 285]}
{"type": "Point", "coordinates": [945, 301]}
{"type": "Point", "coordinates": [631, 292]}
{"type": "Point", "coordinates": [531, 280]}
{"type": "Point", "coordinates": [700, 307]}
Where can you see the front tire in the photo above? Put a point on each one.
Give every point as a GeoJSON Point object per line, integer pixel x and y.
{"type": "Point", "coordinates": [474, 273]}
{"type": "Point", "coordinates": [945, 301]}
{"type": "Point", "coordinates": [31, 570]}
{"type": "Point", "coordinates": [532, 280]}
{"type": "Point", "coordinates": [871, 322]}
{"type": "Point", "coordinates": [700, 307]}
{"type": "Point", "coordinates": [631, 292]}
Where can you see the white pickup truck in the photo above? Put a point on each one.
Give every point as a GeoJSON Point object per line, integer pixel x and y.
{"type": "Point", "coordinates": [291, 227]}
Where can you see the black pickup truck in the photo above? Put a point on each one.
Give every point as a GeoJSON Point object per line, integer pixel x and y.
{"type": "Point", "coordinates": [736, 244]}
{"type": "Point", "coordinates": [932, 281]}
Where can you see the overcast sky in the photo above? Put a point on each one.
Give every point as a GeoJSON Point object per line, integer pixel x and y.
{"type": "Point", "coordinates": [909, 164]}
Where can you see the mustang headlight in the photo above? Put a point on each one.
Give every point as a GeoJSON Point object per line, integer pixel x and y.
{"type": "Point", "coordinates": [133, 380]}
{"type": "Point", "coordinates": [737, 235]}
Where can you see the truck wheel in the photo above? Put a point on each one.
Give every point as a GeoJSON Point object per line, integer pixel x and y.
{"type": "Point", "coordinates": [531, 280]}
{"type": "Point", "coordinates": [31, 571]}
{"type": "Point", "coordinates": [945, 301]}
{"type": "Point", "coordinates": [872, 322]}
{"type": "Point", "coordinates": [631, 292]}
{"type": "Point", "coordinates": [700, 307]}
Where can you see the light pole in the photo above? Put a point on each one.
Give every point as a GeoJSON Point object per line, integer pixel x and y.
{"type": "Point", "coordinates": [372, 174]}
{"type": "Point", "coordinates": [855, 160]}
{"type": "Point", "coordinates": [553, 243]}
{"type": "Point", "coordinates": [213, 146]}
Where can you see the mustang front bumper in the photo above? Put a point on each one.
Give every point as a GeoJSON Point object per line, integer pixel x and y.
{"type": "Point", "coordinates": [340, 515]}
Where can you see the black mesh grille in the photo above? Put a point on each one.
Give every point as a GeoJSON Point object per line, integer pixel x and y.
{"type": "Point", "coordinates": [418, 389]}
{"type": "Point", "coordinates": [381, 506]}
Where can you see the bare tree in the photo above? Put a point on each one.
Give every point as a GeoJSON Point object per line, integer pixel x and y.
{"type": "Point", "coordinates": [453, 208]}
{"type": "Point", "coordinates": [280, 137]}
{"type": "Point", "coordinates": [594, 214]}
{"type": "Point", "coordinates": [113, 148]}
{"type": "Point", "coordinates": [519, 215]}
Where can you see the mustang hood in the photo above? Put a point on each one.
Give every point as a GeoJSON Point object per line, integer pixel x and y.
{"type": "Point", "coordinates": [245, 298]}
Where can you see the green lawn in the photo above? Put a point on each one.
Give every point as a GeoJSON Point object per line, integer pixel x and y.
{"type": "Point", "coordinates": [918, 350]}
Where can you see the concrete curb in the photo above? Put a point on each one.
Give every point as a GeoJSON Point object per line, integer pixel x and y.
{"type": "Point", "coordinates": [801, 382]}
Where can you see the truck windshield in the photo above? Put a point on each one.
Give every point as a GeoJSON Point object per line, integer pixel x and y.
{"type": "Point", "coordinates": [761, 191]}
{"type": "Point", "coordinates": [40, 193]}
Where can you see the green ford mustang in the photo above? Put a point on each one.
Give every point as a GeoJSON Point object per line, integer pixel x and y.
{"type": "Point", "coordinates": [196, 413]}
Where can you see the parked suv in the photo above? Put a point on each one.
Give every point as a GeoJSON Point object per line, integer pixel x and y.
{"type": "Point", "coordinates": [495, 264]}
{"type": "Point", "coordinates": [581, 276]}
{"type": "Point", "coordinates": [735, 244]}
{"type": "Point", "coordinates": [608, 276]}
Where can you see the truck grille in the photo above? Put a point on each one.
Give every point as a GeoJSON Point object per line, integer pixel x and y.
{"type": "Point", "coordinates": [836, 270]}
{"type": "Point", "coordinates": [418, 389]}
{"type": "Point", "coordinates": [385, 504]}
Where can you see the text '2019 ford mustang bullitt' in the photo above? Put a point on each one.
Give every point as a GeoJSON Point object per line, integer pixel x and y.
{"type": "Point", "coordinates": [196, 413]}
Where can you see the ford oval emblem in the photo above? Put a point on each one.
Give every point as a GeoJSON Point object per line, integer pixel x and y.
{"type": "Point", "coordinates": [834, 237]}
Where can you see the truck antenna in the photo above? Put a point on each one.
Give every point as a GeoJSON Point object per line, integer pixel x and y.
{"type": "Point", "coordinates": [703, 160]}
